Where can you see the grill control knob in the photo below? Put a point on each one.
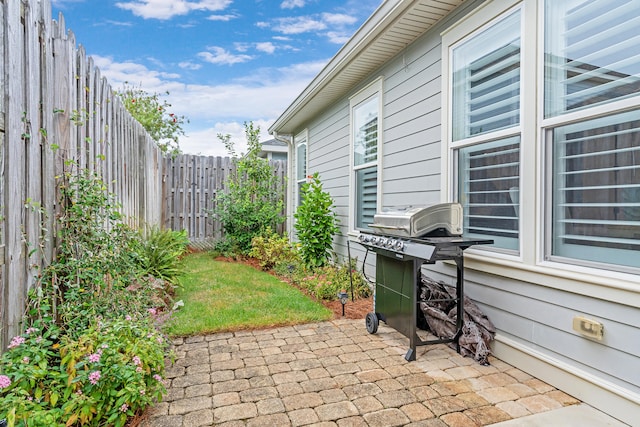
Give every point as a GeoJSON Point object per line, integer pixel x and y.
{"type": "Point", "coordinates": [382, 242]}
{"type": "Point", "coordinates": [398, 246]}
{"type": "Point", "coordinates": [391, 243]}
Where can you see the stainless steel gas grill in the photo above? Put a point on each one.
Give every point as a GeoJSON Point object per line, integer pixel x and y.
{"type": "Point", "coordinates": [405, 239]}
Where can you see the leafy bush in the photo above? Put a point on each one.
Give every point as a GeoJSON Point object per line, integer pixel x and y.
{"type": "Point", "coordinates": [272, 249]}
{"type": "Point", "coordinates": [110, 372]}
{"type": "Point", "coordinates": [316, 223]}
{"type": "Point", "coordinates": [325, 282]}
{"type": "Point", "coordinates": [253, 202]}
{"type": "Point", "coordinates": [159, 253]}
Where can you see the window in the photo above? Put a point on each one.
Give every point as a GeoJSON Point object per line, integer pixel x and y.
{"type": "Point", "coordinates": [489, 190]}
{"type": "Point", "coordinates": [596, 190]}
{"type": "Point", "coordinates": [592, 59]}
{"type": "Point", "coordinates": [365, 143]}
{"type": "Point", "coordinates": [542, 128]}
{"type": "Point", "coordinates": [301, 167]}
{"type": "Point", "coordinates": [592, 53]}
{"type": "Point", "coordinates": [485, 130]}
{"type": "Point", "coordinates": [486, 80]}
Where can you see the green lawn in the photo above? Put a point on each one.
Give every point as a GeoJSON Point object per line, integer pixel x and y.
{"type": "Point", "coordinates": [226, 296]}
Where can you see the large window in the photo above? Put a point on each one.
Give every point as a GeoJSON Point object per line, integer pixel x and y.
{"type": "Point", "coordinates": [592, 60]}
{"type": "Point", "coordinates": [486, 132]}
{"type": "Point", "coordinates": [543, 130]}
{"type": "Point", "coordinates": [365, 143]}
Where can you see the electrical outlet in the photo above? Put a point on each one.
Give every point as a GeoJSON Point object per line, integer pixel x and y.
{"type": "Point", "coordinates": [587, 327]}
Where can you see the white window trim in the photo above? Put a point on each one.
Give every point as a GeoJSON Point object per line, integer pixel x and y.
{"type": "Point", "coordinates": [373, 88]}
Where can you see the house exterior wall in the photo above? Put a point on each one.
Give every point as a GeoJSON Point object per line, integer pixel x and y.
{"type": "Point", "coordinates": [532, 306]}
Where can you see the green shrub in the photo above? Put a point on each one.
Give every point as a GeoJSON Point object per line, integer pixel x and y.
{"type": "Point", "coordinates": [272, 249]}
{"type": "Point", "coordinates": [327, 281]}
{"type": "Point", "coordinates": [253, 202]}
{"type": "Point", "coordinates": [159, 253]}
{"type": "Point", "coordinates": [316, 224]}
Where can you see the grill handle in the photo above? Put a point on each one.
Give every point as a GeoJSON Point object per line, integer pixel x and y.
{"type": "Point", "coordinates": [389, 227]}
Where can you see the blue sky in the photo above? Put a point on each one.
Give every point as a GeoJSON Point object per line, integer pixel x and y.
{"type": "Point", "coordinates": [223, 62]}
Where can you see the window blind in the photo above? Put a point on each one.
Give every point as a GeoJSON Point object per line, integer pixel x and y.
{"type": "Point", "coordinates": [367, 196]}
{"type": "Point", "coordinates": [486, 80]}
{"type": "Point", "coordinates": [490, 190]}
{"type": "Point", "coordinates": [597, 189]}
{"type": "Point", "coordinates": [592, 53]}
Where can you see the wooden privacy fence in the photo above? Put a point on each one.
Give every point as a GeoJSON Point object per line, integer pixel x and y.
{"type": "Point", "coordinates": [191, 186]}
{"type": "Point", "coordinates": [58, 115]}
{"type": "Point", "coordinates": [56, 110]}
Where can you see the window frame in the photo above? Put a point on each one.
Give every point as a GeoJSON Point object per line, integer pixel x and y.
{"type": "Point", "coordinates": [472, 25]}
{"type": "Point", "coordinates": [375, 88]}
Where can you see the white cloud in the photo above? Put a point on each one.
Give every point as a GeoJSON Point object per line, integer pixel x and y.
{"type": "Point", "coordinates": [223, 18]}
{"type": "Point", "coordinates": [338, 37]}
{"type": "Point", "coordinates": [336, 25]}
{"type": "Point", "coordinates": [218, 55]}
{"type": "Point", "coordinates": [207, 143]}
{"type": "Point", "coordinates": [338, 19]}
{"type": "Point", "coordinates": [223, 108]}
{"type": "Point", "coordinates": [290, 4]}
{"type": "Point", "coordinates": [298, 25]}
{"type": "Point", "coordinates": [266, 47]}
{"type": "Point", "coordinates": [166, 9]}
{"type": "Point", "coordinates": [188, 65]}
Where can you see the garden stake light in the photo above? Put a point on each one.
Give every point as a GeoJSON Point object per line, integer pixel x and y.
{"type": "Point", "coordinates": [343, 296]}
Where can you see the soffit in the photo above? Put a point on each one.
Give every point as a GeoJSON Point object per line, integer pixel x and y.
{"type": "Point", "coordinates": [392, 27]}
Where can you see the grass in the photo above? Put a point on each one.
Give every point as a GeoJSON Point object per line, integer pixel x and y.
{"type": "Point", "coordinates": [223, 296]}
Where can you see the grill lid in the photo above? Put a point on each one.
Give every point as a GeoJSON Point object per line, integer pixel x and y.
{"type": "Point", "coordinates": [440, 219]}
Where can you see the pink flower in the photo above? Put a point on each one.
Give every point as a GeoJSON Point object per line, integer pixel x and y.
{"type": "Point", "coordinates": [142, 392]}
{"type": "Point", "coordinates": [127, 317]}
{"type": "Point", "coordinates": [30, 330]}
{"type": "Point", "coordinates": [94, 377]}
{"type": "Point", "coordinates": [137, 361]}
{"type": "Point", "coordinates": [139, 369]}
{"type": "Point", "coordinates": [25, 359]}
{"type": "Point", "coordinates": [16, 341]}
{"type": "Point", "coordinates": [5, 381]}
{"type": "Point", "coordinates": [157, 377]}
{"type": "Point", "coordinates": [152, 311]}
{"type": "Point", "coordinates": [124, 407]}
{"type": "Point", "coordinates": [95, 357]}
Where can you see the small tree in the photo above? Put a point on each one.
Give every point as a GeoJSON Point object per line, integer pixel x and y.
{"type": "Point", "coordinates": [316, 223]}
{"type": "Point", "coordinates": [153, 114]}
{"type": "Point", "coordinates": [254, 202]}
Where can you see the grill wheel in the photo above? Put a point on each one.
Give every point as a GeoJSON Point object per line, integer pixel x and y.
{"type": "Point", "coordinates": [372, 322]}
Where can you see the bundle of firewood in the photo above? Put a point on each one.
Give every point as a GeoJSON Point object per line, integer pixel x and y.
{"type": "Point", "coordinates": [438, 304]}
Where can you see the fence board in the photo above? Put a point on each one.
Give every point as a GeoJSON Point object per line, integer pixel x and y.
{"type": "Point", "coordinates": [58, 98]}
